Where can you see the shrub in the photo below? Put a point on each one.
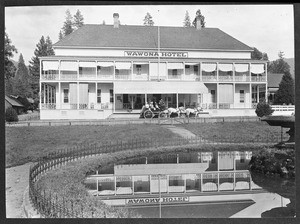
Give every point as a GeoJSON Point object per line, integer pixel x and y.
{"type": "Point", "coordinates": [11, 115]}
{"type": "Point", "coordinates": [263, 109]}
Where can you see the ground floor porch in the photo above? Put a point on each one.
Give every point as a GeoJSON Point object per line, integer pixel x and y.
{"type": "Point", "coordinates": [100, 100]}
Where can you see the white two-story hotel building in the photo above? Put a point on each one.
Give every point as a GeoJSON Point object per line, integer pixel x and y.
{"type": "Point", "coordinates": [99, 70]}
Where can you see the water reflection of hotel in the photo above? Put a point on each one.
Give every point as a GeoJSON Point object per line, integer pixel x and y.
{"type": "Point", "coordinates": [180, 173]}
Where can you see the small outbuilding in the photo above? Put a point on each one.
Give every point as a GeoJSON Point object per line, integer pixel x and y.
{"type": "Point", "coordinates": [14, 103]}
{"type": "Point", "coordinates": [273, 85]}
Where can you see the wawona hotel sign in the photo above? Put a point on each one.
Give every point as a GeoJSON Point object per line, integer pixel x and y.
{"type": "Point", "coordinates": [157, 200]}
{"type": "Point", "coordinates": [163, 54]}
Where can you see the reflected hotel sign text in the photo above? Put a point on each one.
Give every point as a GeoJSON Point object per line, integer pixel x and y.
{"type": "Point", "coordinates": [163, 54]}
{"type": "Point", "coordinates": [156, 200]}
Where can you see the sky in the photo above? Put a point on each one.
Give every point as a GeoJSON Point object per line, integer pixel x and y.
{"type": "Point", "coordinates": [269, 28]}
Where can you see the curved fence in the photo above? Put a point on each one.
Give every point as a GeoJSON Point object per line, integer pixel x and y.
{"type": "Point", "coordinates": [49, 205]}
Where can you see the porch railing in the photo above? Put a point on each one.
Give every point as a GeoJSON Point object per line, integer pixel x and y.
{"type": "Point", "coordinates": [209, 78]}
{"type": "Point", "coordinates": [258, 79]}
{"type": "Point", "coordinates": [48, 106]}
{"type": "Point", "coordinates": [123, 77]}
{"type": "Point", "coordinates": [68, 76]}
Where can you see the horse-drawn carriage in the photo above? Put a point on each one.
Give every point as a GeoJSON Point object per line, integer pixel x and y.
{"type": "Point", "coordinates": [160, 111]}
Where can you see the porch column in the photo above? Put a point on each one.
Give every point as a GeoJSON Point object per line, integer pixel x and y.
{"type": "Point", "coordinates": [250, 72]}
{"type": "Point", "coordinates": [176, 100]}
{"type": "Point", "coordinates": [266, 95]}
{"type": "Point", "coordinates": [234, 181]}
{"type": "Point", "coordinates": [48, 93]}
{"type": "Point", "coordinates": [250, 91]}
{"type": "Point", "coordinates": [77, 69]}
{"type": "Point", "coordinates": [233, 71]}
{"type": "Point", "coordinates": [44, 90]}
{"type": "Point", "coordinates": [233, 95]}
{"type": "Point", "coordinates": [114, 102]}
{"type": "Point", "coordinates": [96, 70]}
{"type": "Point", "coordinates": [114, 72]}
{"type": "Point", "coordinates": [218, 71]}
{"type": "Point", "coordinates": [218, 96]}
{"type": "Point", "coordinates": [40, 85]}
{"type": "Point", "coordinates": [59, 70]}
{"type": "Point", "coordinates": [257, 93]}
{"type": "Point", "coordinates": [218, 181]}
{"type": "Point", "coordinates": [145, 98]}
{"type": "Point", "coordinates": [77, 95]}
{"type": "Point", "coordinates": [59, 96]}
{"type": "Point", "coordinates": [200, 70]}
{"type": "Point", "coordinates": [96, 93]}
{"type": "Point", "coordinates": [201, 182]}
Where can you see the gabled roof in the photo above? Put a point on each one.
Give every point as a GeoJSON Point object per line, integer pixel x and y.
{"type": "Point", "coordinates": [13, 102]}
{"type": "Point", "coordinates": [274, 79]}
{"type": "Point", "coordinates": [145, 37]}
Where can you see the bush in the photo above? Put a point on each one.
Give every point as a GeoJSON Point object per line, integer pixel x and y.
{"type": "Point", "coordinates": [11, 115]}
{"type": "Point", "coordinates": [263, 109]}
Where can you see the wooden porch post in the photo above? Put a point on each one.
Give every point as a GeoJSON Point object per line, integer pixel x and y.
{"type": "Point", "coordinates": [250, 91]}
{"type": "Point", "coordinates": [96, 93]}
{"type": "Point", "coordinates": [176, 100]}
{"type": "Point", "coordinates": [59, 96]}
{"type": "Point", "coordinates": [77, 95]}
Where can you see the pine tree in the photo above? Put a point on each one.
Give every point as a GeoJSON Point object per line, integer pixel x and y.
{"type": "Point", "coordinates": [187, 20]}
{"type": "Point", "coordinates": [68, 24]}
{"type": "Point", "coordinates": [285, 94]}
{"type": "Point", "coordinates": [60, 35]}
{"type": "Point", "coordinates": [279, 65]}
{"type": "Point", "coordinates": [21, 86]}
{"type": "Point", "coordinates": [9, 68]}
{"type": "Point", "coordinates": [43, 48]}
{"type": "Point", "coordinates": [199, 16]}
{"type": "Point", "coordinates": [258, 55]}
{"type": "Point", "coordinates": [148, 20]}
{"type": "Point", "coordinates": [78, 20]}
{"type": "Point", "coordinates": [9, 50]}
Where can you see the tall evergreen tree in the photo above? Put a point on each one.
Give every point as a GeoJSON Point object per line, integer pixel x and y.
{"type": "Point", "coordinates": [68, 24]}
{"type": "Point", "coordinates": [60, 35]}
{"type": "Point", "coordinates": [279, 65]}
{"type": "Point", "coordinates": [148, 20]}
{"type": "Point", "coordinates": [43, 48]}
{"type": "Point", "coordinates": [258, 55]}
{"type": "Point", "coordinates": [187, 20]}
{"type": "Point", "coordinates": [286, 92]}
{"type": "Point", "coordinates": [199, 16]}
{"type": "Point", "coordinates": [21, 85]}
{"type": "Point", "coordinates": [78, 20]}
{"type": "Point", "coordinates": [9, 68]}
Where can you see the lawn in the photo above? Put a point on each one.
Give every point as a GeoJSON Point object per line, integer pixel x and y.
{"type": "Point", "coordinates": [25, 144]}
{"type": "Point", "coordinates": [237, 130]}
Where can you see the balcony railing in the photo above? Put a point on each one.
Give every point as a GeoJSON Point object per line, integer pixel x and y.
{"type": "Point", "coordinates": [242, 78]}
{"type": "Point", "coordinates": [258, 79]}
{"type": "Point", "coordinates": [68, 76]}
{"type": "Point", "coordinates": [49, 77]}
{"type": "Point", "coordinates": [226, 78]}
{"type": "Point", "coordinates": [209, 78]}
{"type": "Point", "coordinates": [122, 77]}
{"type": "Point", "coordinates": [174, 77]}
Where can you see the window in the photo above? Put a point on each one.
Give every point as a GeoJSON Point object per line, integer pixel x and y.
{"type": "Point", "coordinates": [242, 96]}
{"type": "Point", "coordinates": [117, 72]}
{"type": "Point", "coordinates": [187, 66]}
{"type": "Point", "coordinates": [98, 95]}
{"type": "Point", "coordinates": [174, 72]}
{"type": "Point", "coordinates": [66, 95]}
{"type": "Point", "coordinates": [111, 95]}
{"type": "Point", "coordinates": [138, 69]}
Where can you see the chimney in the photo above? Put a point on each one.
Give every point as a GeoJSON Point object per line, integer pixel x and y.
{"type": "Point", "coordinates": [198, 23]}
{"type": "Point", "coordinates": [116, 20]}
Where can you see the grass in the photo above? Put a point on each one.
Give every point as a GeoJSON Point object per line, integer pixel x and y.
{"type": "Point", "coordinates": [26, 144]}
{"type": "Point", "coordinates": [242, 130]}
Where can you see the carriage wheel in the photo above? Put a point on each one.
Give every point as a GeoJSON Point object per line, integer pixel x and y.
{"type": "Point", "coordinates": [148, 114]}
{"type": "Point", "coordinates": [163, 115]}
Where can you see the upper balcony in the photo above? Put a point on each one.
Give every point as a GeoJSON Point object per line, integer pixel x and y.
{"type": "Point", "coordinates": [151, 71]}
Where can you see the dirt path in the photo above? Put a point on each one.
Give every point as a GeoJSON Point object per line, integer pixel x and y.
{"type": "Point", "coordinates": [15, 185]}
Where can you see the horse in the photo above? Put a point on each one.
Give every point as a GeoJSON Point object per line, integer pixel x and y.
{"type": "Point", "coordinates": [171, 110]}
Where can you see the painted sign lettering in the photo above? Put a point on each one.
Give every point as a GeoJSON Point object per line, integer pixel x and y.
{"type": "Point", "coordinates": [157, 200]}
{"type": "Point", "coordinates": [156, 54]}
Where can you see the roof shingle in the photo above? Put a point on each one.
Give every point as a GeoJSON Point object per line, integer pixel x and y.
{"type": "Point", "coordinates": [146, 37]}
